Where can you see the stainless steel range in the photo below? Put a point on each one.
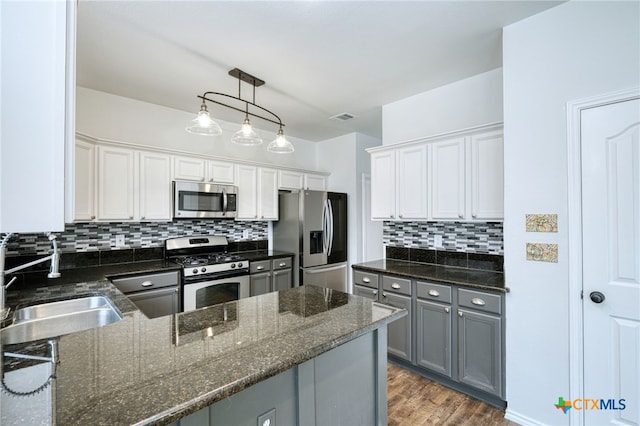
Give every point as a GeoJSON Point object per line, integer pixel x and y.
{"type": "Point", "coordinates": [210, 275]}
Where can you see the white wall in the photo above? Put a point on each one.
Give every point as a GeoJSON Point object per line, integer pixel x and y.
{"type": "Point", "coordinates": [466, 103]}
{"type": "Point", "coordinates": [572, 51]}
{"type": "Point", "coordinates": [346, 159]}
{"type": "Point", "coordinates": [106, 116]}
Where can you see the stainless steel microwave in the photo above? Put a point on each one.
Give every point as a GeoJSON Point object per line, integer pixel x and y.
{"type": "Point", "coordinates": [196, 200]}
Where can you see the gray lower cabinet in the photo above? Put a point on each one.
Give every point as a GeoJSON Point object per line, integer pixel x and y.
{"type": "Point", "coordinates": [399, 331]}
{"type": "Point", "coordinates": [369, 293]}
{"type": "Point", "coordinates": [270, 275]}
{"type": "Point", "coordinates": [155, 294]}
{"type": "Point", "coordinates": [433, 337]}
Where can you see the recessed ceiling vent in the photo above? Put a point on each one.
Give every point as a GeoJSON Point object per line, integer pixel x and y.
{"type": "Point", "coordinates": [343, 116]}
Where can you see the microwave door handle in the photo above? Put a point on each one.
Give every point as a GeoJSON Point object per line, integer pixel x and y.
{"type": "Point", "coordinates": [224, 201]}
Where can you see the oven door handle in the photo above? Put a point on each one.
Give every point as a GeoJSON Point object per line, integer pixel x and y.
{"type": "Point", "coordinates": [221, 276]}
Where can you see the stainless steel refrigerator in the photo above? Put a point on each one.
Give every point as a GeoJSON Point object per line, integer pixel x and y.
{"type": "Point", "coordinates": [313, 224]}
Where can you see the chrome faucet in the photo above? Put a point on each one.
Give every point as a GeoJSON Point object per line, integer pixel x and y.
{"type": "Point", "coordinates": [53, 271]}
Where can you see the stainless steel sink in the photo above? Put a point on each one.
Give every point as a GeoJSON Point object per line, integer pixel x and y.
{"type": "Point", "coordinates": [58, 318]}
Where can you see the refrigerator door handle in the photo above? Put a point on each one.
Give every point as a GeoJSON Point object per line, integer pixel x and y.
{"type": "Point", "coordinates": [330, 211]}
{"type": "Point", "coordinates": [324, 228]}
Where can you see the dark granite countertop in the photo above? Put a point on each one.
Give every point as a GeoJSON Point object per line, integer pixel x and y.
{"type": "Point", "coordinates": [475, 278]}
{"type": "Point", "coordinates": [154, 371]}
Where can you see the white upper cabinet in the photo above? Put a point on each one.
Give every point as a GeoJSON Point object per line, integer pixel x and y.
{"type": "Point", "coordinates": [447, 168]}
{"type": "Point", "coordinates": [38, 80]}
{"type": "Point", "coordinates": [455, 177]}
{"type": "Point", "coordinates": [203, 170]}
{"type": "Point", "coordinates": [115, 183]}
{"type": "Point", "coordinates": [411, 173]}
{"type": "Point", "coordinates": [85, 169]}
{"type": "Point", "coordinates": [383, 185]}
{"type": "Point", "coordinates": [288, 179]}
{"type": "Point", "coordinates": [257, 193]}
{"type": "Point", "coordinates": [487, 176]}
{"type": "Point", "coordinates": [155, 186]}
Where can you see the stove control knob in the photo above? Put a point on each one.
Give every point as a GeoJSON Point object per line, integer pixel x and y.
{"type": "Point", "coordinates": [233, 265]}
{"type": "Point", "coordinates": [240, 265]}
{"type": "Point", "coordinates": [203, 270]}
{"type": "Point", "coordinates": [195, 271]}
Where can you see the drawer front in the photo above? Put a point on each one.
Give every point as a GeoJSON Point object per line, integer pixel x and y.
{"type": "Point", "coordinates": [260, 266]}
{"type": "Point", "coordinates": [284, 263]}
{"type": "Point", "coordinates": [147, 281]}
{"type": "Point", "coordinates": [479, 300]}
{"type": "Point", "coordinates": [368, 292]}
{"type": "Point", "coordinates": [436, 292]}
{"type": "Point", "coordinates": [366, 279]}
{"type": "Point", "coordinates": [396, 285]}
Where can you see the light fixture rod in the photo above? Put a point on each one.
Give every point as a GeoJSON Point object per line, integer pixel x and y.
{"type": "Point", "coordinates": [205, 98]}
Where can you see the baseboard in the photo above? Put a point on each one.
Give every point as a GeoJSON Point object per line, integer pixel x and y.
{"type": "Point", "coordinates": [520, 419]}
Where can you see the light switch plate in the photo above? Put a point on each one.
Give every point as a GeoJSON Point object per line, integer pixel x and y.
{"type": "Point", "coordinates": [120, 241]}
{"type": "Point", "coordinates": [268, 418]}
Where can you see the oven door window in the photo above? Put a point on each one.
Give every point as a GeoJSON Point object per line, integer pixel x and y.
{"type": "Point", "coordinates": [200, 201]}
{"type": "Point", "coordinates": [217, 293]}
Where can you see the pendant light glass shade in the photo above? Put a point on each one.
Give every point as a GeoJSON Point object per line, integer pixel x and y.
{"type": "Point", "coordinates": [246, 135]}
{"type": "Point", "coordinates": [280, 145]}
{"type": "Point", "coordinates": [203, 124]}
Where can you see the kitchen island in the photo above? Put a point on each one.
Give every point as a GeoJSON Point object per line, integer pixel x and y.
{"type": "Point", "coordinates": [307, 355]}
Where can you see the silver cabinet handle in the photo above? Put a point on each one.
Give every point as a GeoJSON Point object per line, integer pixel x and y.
{"type": "Point", "coordinates": [366, 280]}
{"type": "Point", "coordinates": [130, 217]}
{"type": "Point", "coordinates": [460, 215]}
{"type": "Point", "coordinates": [282, 264]}
{"type": "Point", "coordinates": [477, 301]}
{"type": "Point", "coordinates": [384, 294]}
{"type": "Point", "coordinates": [474, 214]}
{"type": "Point", "coordinates": [142, 218]}
{"type": "Point", "coordinates": [375, 292]}
{"type": "Point", "coordinates": [93, 217]}
{"type": "Point", "coordinates": [396, 286]}
{"type": "Point", "coordinates": [147, 283]}
{"type": "Point", "coordinates": [260, 268]}
{"type": "Point", "coordinates": [459, 313]}
{"type": "Point", "coordinates": [400, 216]}
{"type": "Point", "coordinates": [391, 216]}
{"type": "Point", "coordinates": [434, 293]}
{"type": "Point", "coordinates": [446, 310]}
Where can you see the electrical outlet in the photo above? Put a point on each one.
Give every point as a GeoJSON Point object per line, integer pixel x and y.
{"type": "Point", "coordinates": [120, 241]}
{"type": "Point", "coordinates": [268, 418]}
{"type": "Point", "coordinates": [245, 233]}
{"type": "Point", "coordinates": [437, 241]}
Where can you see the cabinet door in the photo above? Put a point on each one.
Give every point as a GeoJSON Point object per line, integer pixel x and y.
{"type": "Point", "coordinates": [247, 201]}
{"type": "Point", "coordinates": [290, 180]}
{"type": "Point", "coordinates": [281, 279]}
{"type": "Point", "coordinates": [433, 336]}
{"type": "Point", "coordinates": [221, 172]}
{"type": "Point", "coordinates": [268, 194]}
{"type": "Point", "coordinates": [383, 185]}
{"type": "Point", "coordinates": [315, 182]}
{"type": "Point", "coordinates": [84, 188]}
{"type": "Point", "coordinates": [411, 171]}
{"type": "Point", "coordinates": [189, 168]}
{"type": "Point", "coordinates": [487, 181]}
{"type": "Point", "coordinates": [480, 351]}
{"type": "Point", "coordinates": [155, 186]}
{"type": "Point", "coordinates": [157, 303]}
{"type": "Point", "coordinates": [399, 331]}
{"type": "Point", "coordinates": [115, 183]}
{"type": "Point", "coordinates": [260, 283]}
{"type": "Point", "coordinates": [369, 293]}
{"type": "Point", "coordinates": [448, 179]}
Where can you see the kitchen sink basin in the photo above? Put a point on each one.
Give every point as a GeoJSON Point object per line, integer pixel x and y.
{"type": "Point", "coordinates": [57, 318]}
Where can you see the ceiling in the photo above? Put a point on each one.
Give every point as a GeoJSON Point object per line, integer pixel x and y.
{"type": "Point", "coordinates": [318, 58]}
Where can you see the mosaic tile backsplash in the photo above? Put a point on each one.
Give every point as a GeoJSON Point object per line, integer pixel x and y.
{"type": "Point", "coordinates": [467, 237]}
{"type": "Point", "coordinates": [88, 237]}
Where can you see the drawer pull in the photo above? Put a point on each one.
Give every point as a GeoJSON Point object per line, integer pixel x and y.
{"type": "Point", "coordinates": [375, 292]}
{"type": "Point", "coordinates": [446, 310]}
{"type": "Point", "coordinates": [434, 293]}
{"type": "Point", "coordinates": [460, 314]}
{"type": "Point", "coordinates": [477, 301]}
{"type": "Point", "coordinates": [147, 283]}
{"type": "Point", "coordinates": [282, 264]}
{"type": "Point", "coordinates": [396, 286]}
{"type": "Point", "coordinates": [366, 280]}
{"type": "Point", "coordinates": [260, 268]}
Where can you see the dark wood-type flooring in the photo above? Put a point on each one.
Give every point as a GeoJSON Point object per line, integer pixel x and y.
{"type": "Point", "coordinates": [414, 400]}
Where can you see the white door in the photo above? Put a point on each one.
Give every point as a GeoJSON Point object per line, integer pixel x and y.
{"type": "Point", "coordinates": [411, 192]}
{"type": "Point", "coordinates": [448, 179]}
{"type": "Point", "coordinates": [611, 262]}
{"type": "Point", "coordinates": [383, 185]}
{"type": "Point", "coordinates": [155, 186]}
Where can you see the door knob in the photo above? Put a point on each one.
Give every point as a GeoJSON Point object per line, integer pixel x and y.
{"type": "Point", "coordinates": [596, 297]}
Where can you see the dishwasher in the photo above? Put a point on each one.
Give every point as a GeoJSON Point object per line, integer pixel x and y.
{"type": "Point", "coordinates": [156, 294]}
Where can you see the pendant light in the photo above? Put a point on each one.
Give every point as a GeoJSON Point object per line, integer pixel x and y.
{"type": "Point", "coordinates": [280, 145]}
{"type": "Point", "coordinates": [204, 125]}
